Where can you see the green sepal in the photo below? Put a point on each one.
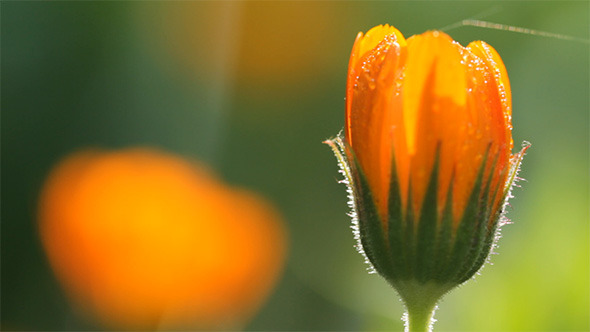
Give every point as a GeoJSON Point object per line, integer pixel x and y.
{"type": "Point", "coordinates": [491, 217]}
{"type": "Point", "coordinates": [372, 234]}
{"type": "Point", "coordinates": [480, 221]}
{"type": "Point", "coordinates": [444, 237]}
{"type": "Point", "coordinates": [463, 237]}
{"type": "Point", "coordinates": [426, 228]}
{"type": "Point", "coordinates": [395, 226]}
{"type": "Point", "coordinates": [471, 232]}
{"type": "Point", "coordinates": [485, 234]}
{"type": "Point", "coordinates": [482, 257]}
{"type": "Point", "coordinates": [409, 236]}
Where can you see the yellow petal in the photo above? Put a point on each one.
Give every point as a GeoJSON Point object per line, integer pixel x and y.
{"type": "Point", "coordinates": [435, 115]}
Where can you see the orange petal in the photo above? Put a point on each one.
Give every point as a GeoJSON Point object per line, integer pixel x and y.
{"type": "Point", "coordinates": [497, 107]}
{"type": "Point", "coordinates": [376, 64]}
{"type": "Point", "coordinates": [435, 113]}
{"type": "Point", "coordinates": [364, 44]}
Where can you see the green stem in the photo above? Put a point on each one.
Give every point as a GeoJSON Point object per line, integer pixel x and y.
{"type": "Point", "coordinates": [419, 318]}
{"type": "Point", "coordinates": [420, 301]}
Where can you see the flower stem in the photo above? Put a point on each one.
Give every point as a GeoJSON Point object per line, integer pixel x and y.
{"type": "Point", "coordinates": [420, 301]}
{"type": "Point", "coordinates": [420, 319]}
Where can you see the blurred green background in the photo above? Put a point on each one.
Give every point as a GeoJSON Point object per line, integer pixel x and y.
{"type": "Point", "coordinates": [252, 89]}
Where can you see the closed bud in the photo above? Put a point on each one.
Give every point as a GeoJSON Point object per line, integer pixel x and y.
{"type": "Point", "coordinates": [426, 152]}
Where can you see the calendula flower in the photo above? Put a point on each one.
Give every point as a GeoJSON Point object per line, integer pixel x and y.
{"type": "Point", "coordinates": [426, 152]}
{"type": "Point", "coordinates": [145, 240]}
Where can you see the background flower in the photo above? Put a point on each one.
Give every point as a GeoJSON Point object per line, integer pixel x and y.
{"type": "Point", "coordinates": [140, 239]}
{"type": "Point", "coordinates": [98, 73]}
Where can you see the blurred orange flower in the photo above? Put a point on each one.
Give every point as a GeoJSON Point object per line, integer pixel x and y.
{"type": "Point", "coordinates": [143, 239]}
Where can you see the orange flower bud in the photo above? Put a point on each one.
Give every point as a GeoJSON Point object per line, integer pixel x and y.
{"type": "Point", "coordinates": [142, 240]}
{"type": "Point", "coordinates": [409, 100]}
{"type": "Point", "coordinates": [426, 153]}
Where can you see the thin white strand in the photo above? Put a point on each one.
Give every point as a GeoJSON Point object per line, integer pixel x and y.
{"type": "Point", "coordinates": [512, 28]}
